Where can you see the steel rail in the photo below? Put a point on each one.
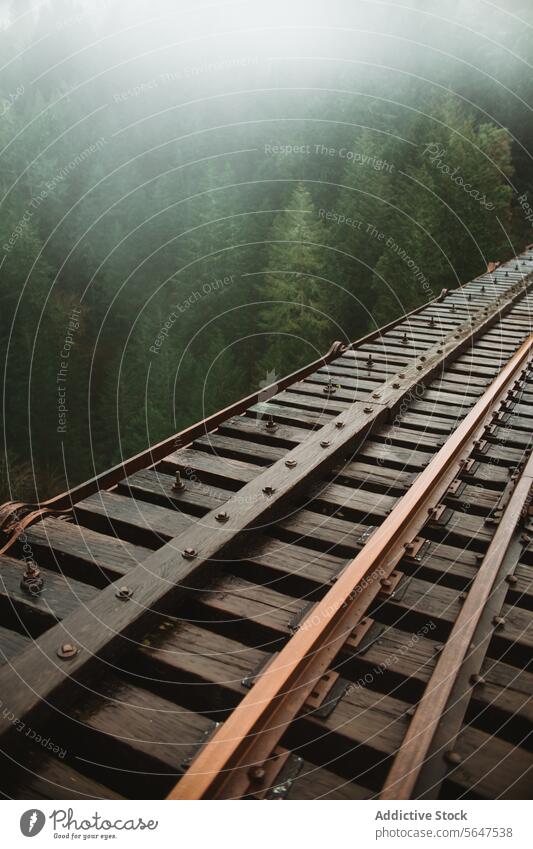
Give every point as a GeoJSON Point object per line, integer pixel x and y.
{"type": "Point", "coordinates": [107, 627]}
{"type": "Point", "coordinates": [413, 753]}
{"type": "Point", "coordinates": [235, 761]}
{"type": "Point", "coordinates": [185, 437]}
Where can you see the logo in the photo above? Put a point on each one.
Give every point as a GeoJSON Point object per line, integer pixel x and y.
{"type": "Point", "coordinates": [32, 822]}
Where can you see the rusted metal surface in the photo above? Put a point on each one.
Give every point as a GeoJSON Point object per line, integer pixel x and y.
{"type": "Point", "coordinates": [248, 737]}
{"type": "Point", "coordinates": [412, 756]}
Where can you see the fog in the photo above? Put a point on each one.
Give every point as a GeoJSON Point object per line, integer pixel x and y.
{"type": "Point", "coordinates": [221, 189]}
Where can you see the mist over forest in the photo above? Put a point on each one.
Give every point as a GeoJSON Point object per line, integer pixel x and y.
{"type": "Point", "coordinates": [199, 197]}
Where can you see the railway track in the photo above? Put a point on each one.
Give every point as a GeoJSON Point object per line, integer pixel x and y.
{"type": "Point", "coordinates": [323, 591]}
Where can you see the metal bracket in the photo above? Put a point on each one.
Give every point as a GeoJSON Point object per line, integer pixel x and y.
{"type": "Point", "coordinates": [249, 680]}
{"type": "Point", "coordinates": [416, 548]}
{"type": "Point", "coordinates": [289, 772]}
{"type": "Point", "coordinates": [360, 640]}
{"type": "Point", "coordinates": [389, 586]}
{"type": "Point", "coordinates": [440, 515]}
{"type": "Point", "coordinates": [326, 694]}
{"type": "Point", "coordinates": [186, 762]}
{"type": "Point", "coordinates": [298, 618]}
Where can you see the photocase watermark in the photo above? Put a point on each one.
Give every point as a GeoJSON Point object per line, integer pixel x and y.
{"type": "Point", "coordinates": [32, 822]}
{"type": "Point", "coordinates": [341, 219]}
{"type": "Point", "coordinates": [29, 732]}
{"type": "Point", "coordinates": [354, 156]}
{"type": "Point", "coordinates": [11, 99]}
{"type": "Point", "coordinates": [436, 153]}
{"type": "Point", "coordinates": [218, 284]}
{"type": "Point", "coordinates": [188, 72]}
{"type": "Point", "coordinates": [62, 374]}
{"type": "Point", "coordinates": [391, 660]}
{"type": "Point", "coordinates": [401, 253]}
{"type": "Point", "coordinates": [66, 824]}
{"type": "Point", "coordinates": [50, 187]}
{"type": "Point", "coordinates": [526, 208]}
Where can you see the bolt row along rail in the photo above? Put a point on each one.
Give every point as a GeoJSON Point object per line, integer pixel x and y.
{"type": "Point", "coordinates": [322, 591]}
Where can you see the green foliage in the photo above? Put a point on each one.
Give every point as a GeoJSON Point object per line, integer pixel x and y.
{"type": "Point", "coordinates": [218, 229]}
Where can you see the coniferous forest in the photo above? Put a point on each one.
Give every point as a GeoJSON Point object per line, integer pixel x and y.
{"type": "Point", "coordinates": [197, 198]}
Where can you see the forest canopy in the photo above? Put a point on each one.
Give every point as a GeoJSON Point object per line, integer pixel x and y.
{"type": "Point", "coordinates": [199, 198]}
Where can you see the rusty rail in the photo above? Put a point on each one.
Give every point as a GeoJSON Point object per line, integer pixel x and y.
{"type": "Point", "coordinates": [413, 753]}
{"type": "Point", "coordinates": [240, 757]}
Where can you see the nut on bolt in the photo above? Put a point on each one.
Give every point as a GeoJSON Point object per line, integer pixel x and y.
{"type": "Point", "coordinates": [189, 553]}
{"type": "Point", "coordinates": [66, 651]}
{"type": "Point", "coordinates": [291, 464]}
{"type": "Point", "coordinates": [221, 516]}
{"type": "Point", "coordinates": [178, 484]}
{"type": "Point", "coordinates": [268, 490]}
{"type": "Point", "coordinates": [453, 758]}
{"type": "Point", "coordinates": [124, 593]}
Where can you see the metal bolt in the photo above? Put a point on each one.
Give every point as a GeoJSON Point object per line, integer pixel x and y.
{"type": "Point", "coordinates": [124, 593]}
{"type": "Point", "coordinates": [67, 651]}
{"type": "Point", "coordinates": [385, 582]}
{"type": "Point", "coordinates": [178, 484]}
{"type": "Point", "coordinates": [256, 774]}
{"type": "Point", "coordinates": [189, 553]}
{"type": "Point", "coordinates": [32, 581]}
{"type": "Point", "coordinates": [404, 339]}
{"type": "Point", "coordinates": [376, 395]}
{"type": "Point", "coordinates": [453, 758]}
{"type": "Point", "coordinates": [268, 490]}
{"type": "Point", "coordinates": [222, 516]}
{"type": "Point", "coordinates": [396, 385]}
{"type": "Point", "coordinates": [410, 711]}
{"type": "Point", "coordinates": [290, 464]}
{"type": "Point", "coordinates": [271, 424]}
{"type": "Point", "coordinates": [461, 598]}
{"type": "Point", "coordinates": [477, 679]}
{"type": "Point", "coordinates": [498, 622]}
{"type": "Point", "coordinates": [329, 389]}
{"type": "Point", "coordinates": [339, 424]}
{"type": "Point", "coordinates": [325, 443]}
{"type": "Point", "coordinates": [438, 648]}
{"type": "Point", "coordinates": [423, 358]}
{"type": "Point", "coordinates": [511, 579]}
{"type": "Point", "coordinates": [367, 409]}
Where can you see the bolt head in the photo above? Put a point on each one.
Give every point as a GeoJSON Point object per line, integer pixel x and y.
{"type": "Point", "coordinates": [268, 490]}
{"type": "Point", "coordinates": [67, 651]}
{"type": "Point", "coordinates": [124, 593]}
{"type": "Point", "coordinates": [189, 553]}
{"type": "Point", "coordinates": [256, 774]}
{"type": "Point", "coordinates": [325, 443]}
{"type": "Point", "coordinates": [453, 758]}
{"type": "Point", "coordinates": [222, 516]}
{"type": "Point", "coordinates": [498, 621]}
